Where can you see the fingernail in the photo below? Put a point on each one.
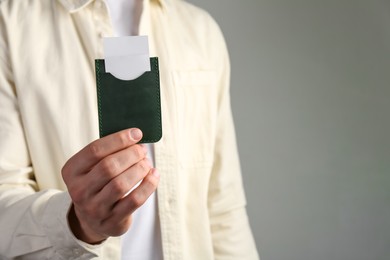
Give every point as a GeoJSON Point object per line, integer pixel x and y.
{"type": "Point", "coordinates": [135, 134]}
{"type": "Point", "coordinates": [155, 173]}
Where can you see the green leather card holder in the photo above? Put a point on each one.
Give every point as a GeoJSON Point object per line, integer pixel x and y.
{"type": "Point", "coordinates": [125, 104]}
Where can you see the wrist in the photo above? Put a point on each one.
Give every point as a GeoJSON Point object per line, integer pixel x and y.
{"type": "Point", "coordinates": [81, 230]}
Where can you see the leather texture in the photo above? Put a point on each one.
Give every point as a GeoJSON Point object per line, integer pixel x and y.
{"type": "Point", "coordinates": [125, 104]}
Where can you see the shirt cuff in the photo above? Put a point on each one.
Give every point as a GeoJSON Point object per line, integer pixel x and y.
{"type": "Point", "coordinates": [55, 223]}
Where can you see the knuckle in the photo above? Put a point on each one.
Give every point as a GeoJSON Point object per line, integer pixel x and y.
{"type": "Point", "coordinates": [109, 164]}
{"type": "Point", "coordinates": [123, 138]}
{"type": "Point", "coordinates": [151, 183]}
{"type": "Point", "coordinates": [138, 151]}
{"type": "Point", "coordinates": [137, 199]}
{"type": "Point", "coordinates": [144, 166]}
{"type": "Point", "coordinates": [118, 187]}
{"type": "Point", "coordinates": [95, 150]}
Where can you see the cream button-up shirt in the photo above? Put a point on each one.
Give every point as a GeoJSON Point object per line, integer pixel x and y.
{"type": "Point", "coordinates": [48, 112]}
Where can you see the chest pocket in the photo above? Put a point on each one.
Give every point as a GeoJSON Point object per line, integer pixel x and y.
{"type": "Point", "coordinates": [197, 97]}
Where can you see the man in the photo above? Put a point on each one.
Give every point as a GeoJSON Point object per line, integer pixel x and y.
{"type": "Point", "coordinates": [63, 191]}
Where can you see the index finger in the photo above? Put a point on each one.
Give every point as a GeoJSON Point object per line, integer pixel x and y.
{"type": "Point", "coordinates": [90, 155]}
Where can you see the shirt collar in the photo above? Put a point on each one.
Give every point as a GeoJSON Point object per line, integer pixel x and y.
{"type": "Point", "coordinates": [75, 5]}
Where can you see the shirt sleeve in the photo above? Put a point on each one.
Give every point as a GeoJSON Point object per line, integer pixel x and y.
{"type": "Point", "coordinates": [33, 223]}
{"type": "Point", "coordinates": [231, 234]}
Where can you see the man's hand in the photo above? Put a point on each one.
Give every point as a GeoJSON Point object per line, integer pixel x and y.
{"type": "Point", "coordinates": [98, 178]}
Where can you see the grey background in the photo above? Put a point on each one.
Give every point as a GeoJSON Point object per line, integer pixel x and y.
{"type": "Point", "coordinates": [311, 101]}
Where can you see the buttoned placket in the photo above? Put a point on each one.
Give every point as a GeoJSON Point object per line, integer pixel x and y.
{"type": "Point", "coordinates": [165, 150]}
{"type": "Point", "coordinates": [164, 156]}
{"type": "Point", "coordinates": [102, 22]}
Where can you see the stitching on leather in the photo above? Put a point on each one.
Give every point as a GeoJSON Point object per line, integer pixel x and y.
{"type": "Point", "coordinates": [158, 95]}
{"type": "Point", "coordinates": [158, 98]}
{"type": "Point", "coordinates": [99, 97]}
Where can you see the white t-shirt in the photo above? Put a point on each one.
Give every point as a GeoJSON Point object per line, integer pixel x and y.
{"type": "Point", "coordinates": [143, 240]}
